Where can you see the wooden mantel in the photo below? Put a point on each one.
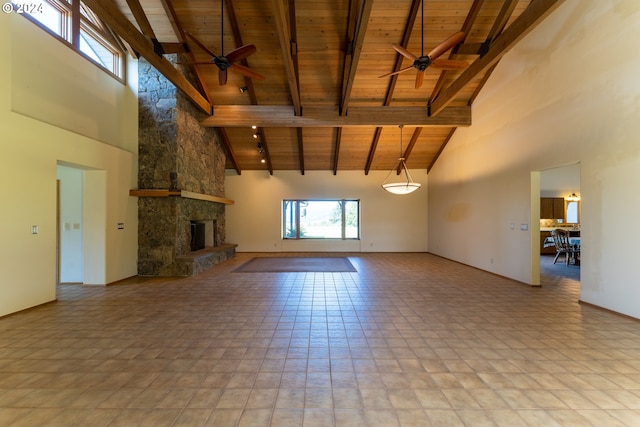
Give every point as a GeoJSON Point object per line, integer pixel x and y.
{"type": "Point", "coordinates": [179, 193]}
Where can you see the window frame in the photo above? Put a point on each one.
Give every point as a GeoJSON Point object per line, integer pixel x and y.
{"type": "Point", "coordinates": [297, 235]}
{"type": "Point", "coordinates": [73, 23]}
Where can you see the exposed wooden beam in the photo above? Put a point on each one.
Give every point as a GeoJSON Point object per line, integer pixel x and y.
{"type": "Point", "coordinates": [141, 18]}
{"type": "Point", "coordinates": [283, 116]}
{"type": "Point", "coordinates": [284, 35]}
{"type": "Point", "coordinates": [265, 147]}
{"type": "Point", "coordinates": [407, 151]}
{"type": "Point", "coordinates": [372, 150]}
{"type": "Point", "coordinates": [169, 48]}
{"type": "Point", "coordinates": [525, 23]}
{"type": "Point", "coordinates": [356, 49]}
{"type": "Point", "coordinates": [336, 151]}
{"type": "Point", "coordinates": [227, 145]}
{"type": "Point", "coordinates": [300, 150]}
{"type": "Point", "coordinates": [444, 144]}
{"type": "Point", "coordinates": [109, 13]}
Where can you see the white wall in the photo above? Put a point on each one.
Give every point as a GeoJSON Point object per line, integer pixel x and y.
{"type": "Point", "coordinates": [560, 181]}
{"type": "Point", "coordinates": [567, 93]}
{"type": "Point", "coordinates": [389, 223]}
{"type": "Point", "coordinates": [91, 125]}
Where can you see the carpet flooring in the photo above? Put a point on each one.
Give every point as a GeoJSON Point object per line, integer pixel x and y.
{"type": "Point", "coordinates": [296, 264]}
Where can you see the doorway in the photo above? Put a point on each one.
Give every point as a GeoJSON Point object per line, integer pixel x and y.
{"type": "Point", "coordinates": [70, 241]}
{"type": "Point", "coordinates": [557, 186]}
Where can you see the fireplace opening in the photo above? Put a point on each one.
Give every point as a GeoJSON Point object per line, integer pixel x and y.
{"type": "Point", "coordinates": [197, 235]}
{"type": "Point", "coordinates": [203, 234]}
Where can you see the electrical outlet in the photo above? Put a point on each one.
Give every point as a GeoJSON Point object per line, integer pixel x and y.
{"type": "Point", "coordinates": [524, 227]}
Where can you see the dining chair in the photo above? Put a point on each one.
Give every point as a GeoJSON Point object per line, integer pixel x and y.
{"type": "Point", "coordinates": [561, 240]}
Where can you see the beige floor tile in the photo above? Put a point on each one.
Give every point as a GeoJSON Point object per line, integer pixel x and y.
{"type": "Point", "coordinates": [409, 339]}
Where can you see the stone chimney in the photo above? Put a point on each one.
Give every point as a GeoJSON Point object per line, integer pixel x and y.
{"type": "Point", "coordinates": [180, 181]}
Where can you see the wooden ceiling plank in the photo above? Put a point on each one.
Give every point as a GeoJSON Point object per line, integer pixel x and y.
{"type": "Point", "coordinates": [108, 12]}
{"type": "Point", "coordinates": [237, 38]}
{"type": "Point", "coordinates": [180, 35]}
{"type": "Point", "coordinates": [141, 18]}
{"type": "Point", "coordinates": [408, 30]}
{"type": "Point", "coordinates": [284, 36]}
{"type": "Point", "coordinates": [283, 116]}
{"type": "Point", "coordinates": [466, 27]}
{"type": "Point", "coordinates": [406, 36]}
{"type": "Point", "coordinates": [356, 49]}
{"type": "Point", "coordinates": [525, 23]}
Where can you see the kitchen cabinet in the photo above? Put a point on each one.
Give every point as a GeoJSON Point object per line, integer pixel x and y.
{"type": "Point", "coordinates": [552, 208]}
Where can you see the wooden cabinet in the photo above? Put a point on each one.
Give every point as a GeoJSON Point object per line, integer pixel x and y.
{"type": "Point", "coordinates": [552, 208]}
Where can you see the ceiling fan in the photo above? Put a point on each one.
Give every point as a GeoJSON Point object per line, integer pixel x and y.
{"type": "Point", "coordinates": [228, 61]}
{"type": "Point", "coordinates": [431, 59]}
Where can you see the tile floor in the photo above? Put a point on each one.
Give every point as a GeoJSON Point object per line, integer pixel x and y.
{"type": "Point", "coordinates": [408, 340]}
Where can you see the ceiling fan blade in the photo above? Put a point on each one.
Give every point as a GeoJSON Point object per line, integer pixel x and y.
{"type": "Point", "coordinates": [246, 71]}
{"type": "Point", "coordinates": [449, 64]}
{"type": "Point", "coordinates": [404, 52]}
{"type": "Point", "coordinates": [222, 77]}
{"type": "Point", "coordinates": [419, 78]}
{"type": "Point", "coordinates": [446, 45]}
{"type": "Point", "coordinates": [200, 44]}
{"type": "Point", "coordinates": [396, 72]}
{"type": "Point", "coordinates": [240, 53]}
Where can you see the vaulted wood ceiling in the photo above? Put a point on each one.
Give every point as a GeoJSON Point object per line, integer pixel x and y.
{"type": "Point", "coordinates": [322, 104]}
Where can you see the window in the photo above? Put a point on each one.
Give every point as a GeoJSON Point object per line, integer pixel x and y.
{"type": "Point", "coordinates": [573, 216]}
{"type": "Point", "coordinates": [94, 40]}
{"type": "Point", "coordinates": [321, 219]}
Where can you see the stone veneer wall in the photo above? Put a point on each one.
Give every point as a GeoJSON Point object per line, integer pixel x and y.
{"type": "Point", "coordinates": [175, 153]}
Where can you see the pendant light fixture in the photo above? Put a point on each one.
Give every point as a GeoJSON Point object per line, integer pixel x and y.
{"type": "Point", "coordinates": [403, 187]}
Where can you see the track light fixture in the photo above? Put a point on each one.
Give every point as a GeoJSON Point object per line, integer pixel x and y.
{"type": "Point", "coordinates": [243, 89]}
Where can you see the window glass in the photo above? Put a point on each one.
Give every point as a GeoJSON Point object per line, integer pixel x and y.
{"type": "Point", "coordinates": [92, 45]}
{"type": "Point", "coordinates": [321, 219]}
{"type": "Point", "coordinates": [289, 212]}
{"type": "Point", "coordinates": [95, 41]}
{"type": "Point", "coordinates": [352, 219]}
{"type": "Point", "coordinates": [52, 16]}
{"type": "Point", "coordinates": [572, 213]}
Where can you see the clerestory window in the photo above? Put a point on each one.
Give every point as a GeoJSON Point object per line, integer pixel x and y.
{"type": "Point", "coordinates": [72, 22]}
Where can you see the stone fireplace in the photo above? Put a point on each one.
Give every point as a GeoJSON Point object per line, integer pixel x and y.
{"type": "Point", "coordinates": [180, 180]}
